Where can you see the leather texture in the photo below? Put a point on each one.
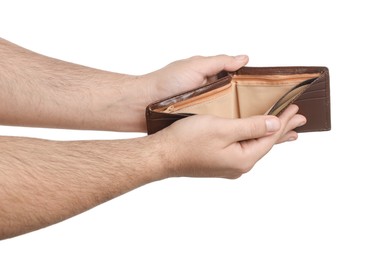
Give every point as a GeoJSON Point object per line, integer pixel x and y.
{"type": "Point", "coordinates": [250, 91]}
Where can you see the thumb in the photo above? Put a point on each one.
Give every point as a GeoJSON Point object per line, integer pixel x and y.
{"type": "Point", "coordinates": [253, 127]}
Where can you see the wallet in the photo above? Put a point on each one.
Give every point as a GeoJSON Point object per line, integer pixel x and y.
{"type": "Point", "coordinates": [251, 91]}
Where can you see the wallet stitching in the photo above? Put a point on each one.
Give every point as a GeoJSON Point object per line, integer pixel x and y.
{"type": "Point", "coordinates": [327, 101]}
{"type": "Point", "coordinates": [316, 90]}
{"type": "Point", "coordinates": [313, 94]}
{"type": "Point", "coordinates": [310, 98]}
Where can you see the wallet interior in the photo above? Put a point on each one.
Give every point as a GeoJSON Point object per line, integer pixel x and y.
{"type": "Point", "coordinates": [247, 95]}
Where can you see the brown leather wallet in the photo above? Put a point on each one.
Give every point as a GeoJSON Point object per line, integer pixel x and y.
{"type": "Point", "coordinates": [252, 91]}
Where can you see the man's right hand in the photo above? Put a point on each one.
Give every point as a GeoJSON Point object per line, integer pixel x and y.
{"type": "Point", "coordinates": [208, 146]}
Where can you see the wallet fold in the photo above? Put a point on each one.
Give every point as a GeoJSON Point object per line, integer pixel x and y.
{"type": "Point", "coordinates": [251, 91]}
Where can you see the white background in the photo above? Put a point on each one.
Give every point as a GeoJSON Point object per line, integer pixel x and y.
{"type": "Point", "coordinates": [311, 199]}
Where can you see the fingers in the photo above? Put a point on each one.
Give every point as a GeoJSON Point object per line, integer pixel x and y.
{"type": "Point", "coordinates": [288, 113]}
{"type": "Point", "coordinates": [296, 121]}
{"type": "Point", "coordinates": [209, 66]}
{"type": "Point", "coordinates": [289, 136]}
{"type": "Point", "coordinates": [250, 128]}
{"type": "Point", "coordinates": [260, 126]}
{"type": "Point", "coordinates": [289, 120]}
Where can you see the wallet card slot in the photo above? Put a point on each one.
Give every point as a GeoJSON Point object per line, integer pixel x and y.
{"type": "Point", "coordinates": [287, 100]}
{"type": "Point", "coordinates": [316, 90]}
{"type": "Point", "coordinates": [290, 97]}
{"type": "Point", "coordinates": [313, 94]}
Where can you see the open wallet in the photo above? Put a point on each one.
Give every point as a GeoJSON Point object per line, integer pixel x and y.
{"type": "Point", "coordinates": [251, 91]}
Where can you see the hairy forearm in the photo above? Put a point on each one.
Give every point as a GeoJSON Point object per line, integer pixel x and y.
{"type": "Point", "coordinates": [44, 182]}
{"type": "Point", "coordinates": [36, 90]}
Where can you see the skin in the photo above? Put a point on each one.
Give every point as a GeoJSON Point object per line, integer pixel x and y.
{"type": "Point", "coordinates": [43, 182]}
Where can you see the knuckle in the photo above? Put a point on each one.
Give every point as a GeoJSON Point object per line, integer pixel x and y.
{"type": "Point", "coordinates": [250, 131]}
{"type": "Point", "coordinates": [222, 56]}
{"type": "Point", "coordinates": [244, 167]}
{"type": "Point", "coordinates": [196, 57]}
{"type": "Point", "coordinates": [234, 176]}
{"type": "Point", "coordinates": [253, 129]}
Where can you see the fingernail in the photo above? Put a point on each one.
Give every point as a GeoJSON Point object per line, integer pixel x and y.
{"type": "Point", "coordinates": [241, 57]}
{"type": "Point", "coordinates": [272, 124]}
{"type": "Point", "coordinates": [291, 139]}
{"type": "Point", "coordinates": [302, 123]}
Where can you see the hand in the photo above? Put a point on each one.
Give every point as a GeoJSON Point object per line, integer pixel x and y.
{"type": "Point", "coordinates": [184, 75]}
{"type": "Point", "coordinates": [208, 146]}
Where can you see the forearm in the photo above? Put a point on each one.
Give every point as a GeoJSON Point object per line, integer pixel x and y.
{"type": "Point", "coordinates": [36, 90]}
{"type": "Point", "coordinates": [44, 182]}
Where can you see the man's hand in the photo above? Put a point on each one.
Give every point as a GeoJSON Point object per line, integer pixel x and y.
{"type": "Point", "coordinates": [44, 182]}
{"type": "Point", "coordinates": [184, 75]}
{"type": "Point", "coordinates": [178, 77]}
{"type": "Point", "coordinates": [208, 146]}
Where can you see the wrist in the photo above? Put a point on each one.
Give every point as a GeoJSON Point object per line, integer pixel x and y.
{"type": "Point", "coordinates": [167, 154]}
{"type": "Point", "coordinates": [120, 103]}
{"type": "Point", "coordinates": [151, 154]}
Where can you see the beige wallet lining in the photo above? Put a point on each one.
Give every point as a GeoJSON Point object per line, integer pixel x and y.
{"type": "Point", "coordinates": [246, 96]}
